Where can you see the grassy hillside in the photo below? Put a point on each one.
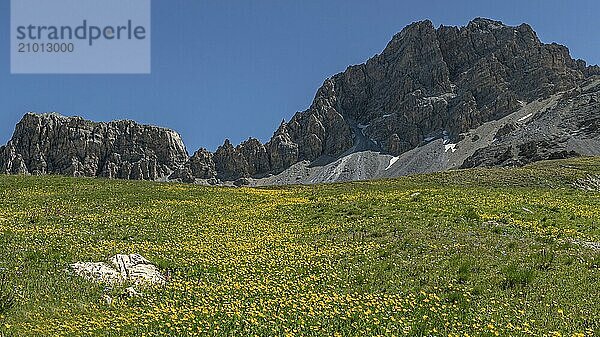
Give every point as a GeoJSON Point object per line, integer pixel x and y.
{"type": "Point", "coordinates": [481, 252]}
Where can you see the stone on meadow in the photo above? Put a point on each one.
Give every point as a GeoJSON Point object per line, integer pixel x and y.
{"type": "Point", "coordinates": [123, 268]}
{"type": "Point", "coordinates": [136, 268]}
{"type": "Point", "coordinates": [97, 272]}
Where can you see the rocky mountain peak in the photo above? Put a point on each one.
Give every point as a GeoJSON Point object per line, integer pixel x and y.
{"type": "Point", "coordinates": [414, 30]}
{"type": "Point", "coordinates": [51, 143]}
{"type": "Point", "coordinates": [427, 84]}
{"type": "Point", "coordinates": [485, 24]}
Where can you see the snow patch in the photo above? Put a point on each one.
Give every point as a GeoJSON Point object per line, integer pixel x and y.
{"type": "Point", "coordinates": [449, 147]}
{"type": "Point", "coordinates": [524, 117]}
{"type": "Point", "coordinates": [392, 161]}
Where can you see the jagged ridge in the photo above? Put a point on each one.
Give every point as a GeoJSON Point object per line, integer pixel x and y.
{"type": "Point", "coordinates": [54, 144]}
{"type": "Point", "coordinates": [427, 83]}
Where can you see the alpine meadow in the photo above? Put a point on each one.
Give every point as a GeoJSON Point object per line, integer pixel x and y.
{"type": "Point", "coordinates": [478, 252]}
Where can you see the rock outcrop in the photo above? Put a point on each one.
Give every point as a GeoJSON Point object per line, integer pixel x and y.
{"type": "Point", "coordinates": [247, 159]}
{"type": "Point", "coordinates": [54, 144]}
{"type": "Point", "coordinates": [589, 183]}
{"type": "Point", "coordinates": [200, 166]}
{"type": "Point", "coordinates": [230, 162]}
{"type": "Point", "coordinates": [453, 79]}
{"type": "Point", "coordinates": [283, 152]}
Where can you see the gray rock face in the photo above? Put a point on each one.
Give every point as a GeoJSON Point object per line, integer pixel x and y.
{"type": "Point", "coordinates": [568, 128]}
{"type": "Point", "coordinates": [322, 129]}
{"type": "Point", "coordinates": [454, 79]}
{"type": "Point", "coordinates": [202, 165]}
{"type": "Point", "coordinates": [499, 66]}
{"type": "Point", "coordinates": [199, 166]}
{"type": "Point", "coordinates": [283, 152]}
{"type": "Point", "coordinates": [97, 272]}
{"type": "Point", "coordinates": [427, 83]}
{"type": "Point", "coordinates": [255, 155]}
{"type": "Point", "coordinates": [247, 159]}
{"type": "Point", "coordinates": [54, 144]}
{"type": "Point", "coordinates": [230, 162]}
{"type": "Point", "coordinates": [561, 126]}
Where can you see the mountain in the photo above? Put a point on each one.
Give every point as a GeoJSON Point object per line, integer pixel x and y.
{"type": "Point", "coordinates": [54, 144]}
{"type": "Point", "coordinates": [428, 91]}
{"type": "Point", "coordinates": [485, 94]}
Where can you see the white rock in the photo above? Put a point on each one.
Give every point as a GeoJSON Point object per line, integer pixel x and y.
{"type": "Point", "coordinates": [97, 272]}
{"type": "Point", "coordinates": [136, 268]}
{"type": "Point", "coordinates": [131, 268]}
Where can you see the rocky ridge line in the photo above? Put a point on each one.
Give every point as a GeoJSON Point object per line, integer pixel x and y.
{"type": "Point", "coordinates": [54, 144]}
{"type": "Point", "coordinates": [427, 84]}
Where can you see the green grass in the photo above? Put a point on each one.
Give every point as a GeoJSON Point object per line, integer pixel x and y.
{"type": "Point", "coordinates": [479, 252]}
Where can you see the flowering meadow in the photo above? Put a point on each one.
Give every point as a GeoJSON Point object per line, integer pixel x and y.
{"type": "Point", "coordinates": [484, 252]}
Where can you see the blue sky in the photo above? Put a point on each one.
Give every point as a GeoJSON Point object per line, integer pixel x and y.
{"type": "Point", "coordinates": [234, 69]}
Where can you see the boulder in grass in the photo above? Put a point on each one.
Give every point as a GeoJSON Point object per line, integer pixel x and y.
{"type": "Point", "coordinates": [136, 268]}
{"type": "Point", "coordinates": [97, 272]}
{"type": "Point", "coordinates": [122, 268]}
